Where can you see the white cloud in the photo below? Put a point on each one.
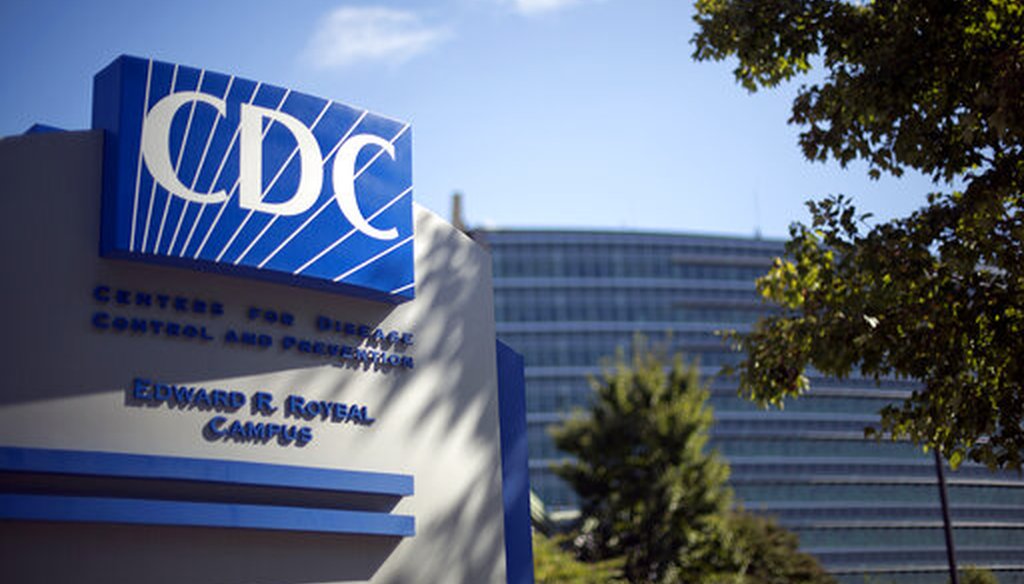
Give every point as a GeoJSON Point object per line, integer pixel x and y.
{"type": "Point", "coordinates": [530, 7]}
{"type": "Point", "coordinates": [350, 35]}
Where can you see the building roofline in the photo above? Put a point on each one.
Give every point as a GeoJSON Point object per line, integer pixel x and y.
{"type": "Point", "coordinates": [624, 232]}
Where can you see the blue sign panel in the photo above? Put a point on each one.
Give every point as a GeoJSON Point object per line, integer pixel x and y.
{"type": "Point", "coordinates": [219, 173]}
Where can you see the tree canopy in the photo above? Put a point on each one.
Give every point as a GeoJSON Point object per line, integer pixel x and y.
{"type": "Point", "coordinates": [936, 86]}
{"type": "Point", "coordinates": [654, 497]}
{"type": "Point", "coordinates": [649, 491]}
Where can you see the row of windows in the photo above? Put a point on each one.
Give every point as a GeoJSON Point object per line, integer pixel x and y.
{"type": "Point", "coordinates": [618, 306]}
{"type": "Point", "coordinates": [906, 537]}
{"type": "Point", "coordinates": [878, 511]}
{"type": "Point", "coordinates": [539, 349]}
{"type": "Point", "coordinates": [818, 448]}
{"type": "Point", "coordinates": [583, 350]}
{"type": "Point", "coordinates": [541, 446]}
{"type": "Point", "coordinates": [777, 425]}
{"type": "Point", "coordinates": [555, 352]}
{"type": "Point", "coordinates": [630, 303]}
{"type": "Point", "coordinates": [555, 493]}
{"type": "Point", "coordinates": [564, 396]}
{"type": "Point", "coordinates": [623, 252]}
{"type": "Point", "coordinates": [903, 557]}
{"type": "Point", "coordinates": [592, 349]}
{"type": "Point", "coordinates": [683, 341]}
{"type": "Point", "coordinates": [757, 494]}
{"type": "Point", "coordinates": [722, 385]}
{"type": "Point", "coordinates": [752, 468]}
{"type": "Point", "coordinates": [757, 425]}
{"type": "Point", "coordinates": [635, 291]}
{"type": "Point", "coordinates": [559, 496]}
{"type": "Point", "coordinates": [936, 576]}
{"type": "Point", "coordinates": [609, 244]}
{"type": "Point", "coordinates": [538, 261]}
{"type": "Point", "coordinates": [806, 404]}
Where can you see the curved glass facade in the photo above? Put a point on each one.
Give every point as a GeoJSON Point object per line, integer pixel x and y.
{"type": "Point", "coordinates": [869, 510]}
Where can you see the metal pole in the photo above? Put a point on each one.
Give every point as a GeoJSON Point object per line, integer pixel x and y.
{"type": "Point", "coordinates": [947, 526]}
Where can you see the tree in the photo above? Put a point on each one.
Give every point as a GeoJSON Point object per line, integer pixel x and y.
{"type": "Point", "coordinates": [654, 500]}
{"type": "Point", "coordinates": [767, 554]}
{"type": "Point", "coordinates": [648, 489]}
{"type": "Point", "coordinates": [931, 85]}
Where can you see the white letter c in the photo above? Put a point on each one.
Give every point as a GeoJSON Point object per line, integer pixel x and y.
{"type": "Point", "coordinates": [156, 131]}
{"type": "Point", "coordinates": [345, 184]}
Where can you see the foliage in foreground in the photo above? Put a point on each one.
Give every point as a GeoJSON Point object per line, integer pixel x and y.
{"type": "Point", "coordinates": [932, 86]}
{"type": "Point", "coordinates": [648, 490]}
{"type": "Point", "coordinates": [653, 496]}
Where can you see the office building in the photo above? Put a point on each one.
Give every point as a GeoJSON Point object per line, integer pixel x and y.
{"type": "Point", "coordinates": [866, 509]}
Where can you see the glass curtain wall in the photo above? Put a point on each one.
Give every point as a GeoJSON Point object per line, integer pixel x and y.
{"type": "Point", "coordinates": [567, 301]}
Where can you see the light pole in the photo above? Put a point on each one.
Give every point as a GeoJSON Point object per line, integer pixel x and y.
{"type": "Point", "coordinates": [946, 524]}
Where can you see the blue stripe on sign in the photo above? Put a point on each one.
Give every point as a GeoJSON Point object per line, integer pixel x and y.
{"type": "Point", "coordinates": [145, 466]}
{"type": "Point", "coordinates": [515, 470]}
{"type": "Point", "coordinates": [152, 512]}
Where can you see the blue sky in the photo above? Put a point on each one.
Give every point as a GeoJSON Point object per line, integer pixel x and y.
{"type": "Point", "coordinates": [551, 113]}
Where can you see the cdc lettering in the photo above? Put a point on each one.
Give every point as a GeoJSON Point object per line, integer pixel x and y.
{"type": "Point", "coordinates": [155, 151]}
